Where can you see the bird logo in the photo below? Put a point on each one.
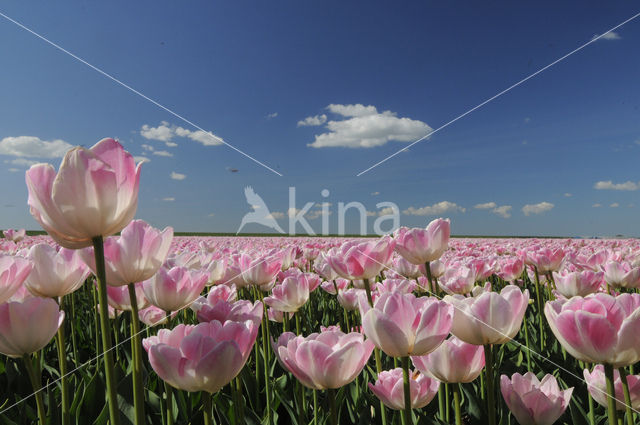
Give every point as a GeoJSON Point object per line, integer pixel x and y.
{"type": "Point", "coordinates": [260, 213]}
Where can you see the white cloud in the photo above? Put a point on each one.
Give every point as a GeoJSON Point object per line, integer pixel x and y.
{"type": "Point", "coordinates": [163, 153]}
{"type": "Point", "coordinates": [162, 133]}
{"type": "Point", "coordinates": [609, 185]}
{"type": "Point", "coordinates": [178, 176]}
{"type": "Point", "coordinates": [537, 208]}
{"type": "Point", "coordinates": [276, 214]}
{"type": "Point", "coordinates": [211, 215]}
{"type": "Point", "coordinates": [503, 211]}
{"type": "Point", "coordinates": [365, 127]}
{"type": "Point", "coordinates": [614, 205]}
{"type": "Point", "coordinates": [22, 162]}
{"type": "Point", "coordinates": [372, 213]}
{"type": "Point", "coordinates": [375, 193]}
{"type": "Point", "coordinates": [596, 205]}
{"type": "Point", "coordinates": [169, 199]}
{"type": "Point", "coordinates": [485, 206]}
{"type": "Point", "coordinates": [568, 195]}
{"type": "Point", "coordinates": [608, 36]}
{"type": "Point", "coordinates": [141, 158]}
{"type": "Point", "coordinates": [313, 121]}
{"type": "Point", "coordinates": [435, 209]}
{"type": "Point", "coordinates": [272, 115]}
{"type": "Point", "coordinates": [33, 147]}
{"type": "Point", "coordinates": [147, 147]}
{"type": "Point", "coordinates": [165, 132]}
{"type": "Point", "coordinates": [14, 170]}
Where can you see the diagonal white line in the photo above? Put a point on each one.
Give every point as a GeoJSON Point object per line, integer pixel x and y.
{"type": "Point", "coordinates": [547, 359]}
{"type": "Point", "coordinates": [500, 93]}
{"type": "Point", "coordinates": [111, 77]}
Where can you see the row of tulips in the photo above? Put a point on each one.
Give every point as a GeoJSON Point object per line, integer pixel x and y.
{"type": "Point", "coordinates": [403, 318]}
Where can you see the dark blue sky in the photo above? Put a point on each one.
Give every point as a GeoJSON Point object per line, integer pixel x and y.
{"type": "Point", "coordinates": [250, 71]}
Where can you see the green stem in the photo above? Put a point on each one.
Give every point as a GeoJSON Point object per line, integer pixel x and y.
{"type": "Point", "coordinates": [447, 403]}
{"type": "Point", "coordinates": [332, 406]}
{"type": "Point", "coordinates": [611, 394]}
{"type": "Point", "coordinates": [35, 379]}
{"type": "Point", "coordinates": [303, 402]}
{"type": "Point", "coordinates": [592, 417]}
{"type": "Point", "coordinates": [238, 383]}
{"type": "Point", "coordinates": [73, 333]}
{"type": "Point", "coordinates": [315, 407]}
{"type": "Point", "coordinates": [136, 353]}
{"type": "Point", "coordinates": [540, 313]}
{"type": "Point", "coordinates": [376, 351]}
{"type": "Point", "coordinates": [441, 402]}
{"type": "Point", "coordinates": [112, 399]}
{"type": "Point", "coordinates": [206, 409]}
{"type": "Point", "coordinates": [491, 407]}
{"type": "Point", "coordinates": [169, 392]}
{"type": "Point", "coordinates": [627, 397]}
{"type": "Point", "coordinates": [456, 402]}
{"type": "Point", "coordinates": [433, 289]}
{"type": "Point", "coordinates": [265, 356]}
{"type": "Point", "coordinates": [64, 379]}
{"type": "Point", "coordinates": [406, 412]}
{"type": "Point", "coordinates": [526, 341]}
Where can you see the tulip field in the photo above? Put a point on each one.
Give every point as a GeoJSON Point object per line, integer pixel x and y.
{"type": "Point", "coordinates": [109, 320]}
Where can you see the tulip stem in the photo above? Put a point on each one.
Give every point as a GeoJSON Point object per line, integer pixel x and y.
{"type": "Point", "coordinates": [447, 403]}
{"type": "Point", "coordinates": [265, 356]}
{"type": "Point", "coordinates": [64, 380]}
{"type": "Point", "coordinates": [627, 397]}
{"type": "Point", "coordinates": [37, 387]}
{"type": "Point", "coordinates": [441, 402]}
{"type": "Point", "coordinates": [315, 407]}
{"type": "Point", "coordinates": [432, 288]}
{"type": "Point", "coordinates": [539, 302]}
{"type": "Point", "coordinates": [526, 341]}
{"type": "Point", "coordinates": [332, 406]}
{"type": "Point", "coordinates": [138, 389]}
{"type": "Point", "coordinates": [303, 401]}
{"type": "Point", "coordinates": [73, 333]}
{"type": "Point", "coordinates": [406, 412]}
{"type": "Point", "coordinates": [456, 402]}
{"type": "Point", "coordinates": [169, 392]}
{"type": "Point", "coordinates": [491, 407]}
{"type": "Point", "coordinates": [376, 351]}
{"type": "Point", "coordinates": [105, 329]}
{"type": "Point", "coordinates": [206, 409]}
{"type": "Point", "coordinates": [611, 402]}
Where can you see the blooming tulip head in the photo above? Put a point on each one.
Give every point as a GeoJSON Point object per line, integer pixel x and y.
{"type": "Point", "coordinates": [458, 280]}
{"type": "Point", "coordinates": [14, 235]}
{"type": "Point", "coordinates": [94, 193]}
{"type": "Point", "coordinates": [421, 245]}
{"type": "Point", "coordinates": [27, 326]}
{"type": "Point", "coordinates": [453, 361]}
{"type": "Point", "coordinates": [13, 272]}
{"type": "Point", "coordinates": [534, 402]}
{"type": "Point", "coordinates": [597, 386]}
{"type": "Point", "coordinates": [571, 284]}
{"type": "Point", "coordinates": [119, 299]}
{"type": "Point", "coordinates": [511, 269]}
{"type": "Point", "coordinates": [55, 273]}
{"type": "Point", "coordinates": [260, 269]}
{"type": "Point", "coordinates": [599, 328]}
{"type": "Point", "coordinates": [330, 359]}
{"type": "Point", "coordinates": [204, 357]}
{"type": "Point", "coordinates": [489, 317]}
{"type": "Point", "coordinates": [403, 325]}
{"type": "Point", "coordinates": [389, 389]}
{"type": "Point", "coordinates": [362, 260]}
{"type": "Point", "coordinates": [173, 289]}
{"type": "Point", "coordinates": [135, 255]}
{"type": "Point", "coordinates": [290, 295]}
{"type": "Point", "coordinates": [621, 274]}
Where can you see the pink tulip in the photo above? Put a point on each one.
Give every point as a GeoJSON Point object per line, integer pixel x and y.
{"type": "Point", "coordinates": [328, 360]}
{"type": "Point", "coordinates": [597, 386]}
{"type": "Point", "coordinates": [290, 295]}
{"type": "Point", "coordinates": [259, 269]}
{"type": "Point", "coordinates": [55, 274]}
{"type": "Point", "coordinates": [95, 193]}
{"type": "Point", "coordinates": [153, 316]}
{"type": "Point", "coordinates": [402, 325]}
{"type": "Point", "coordinates": [118, 297]}
{"type": "Point", "coordinates": [534, 402]}
{"type": "Point", "coordinates": [421, 245]}
{"type": "Point", "coordinates": [406, 269]}
{"type": "Point", "coordinates": [571, 284]}
{"type": "Point", "coordinates": [599, 328]}
{"type": "Point", "coordinates": [547, 260]}
{"type": "Point", "coordinates": [174, 289]}
{"type": "Point", "coordinates": [14, 235]}
{"type": "Point", "coordinates": [204, 357]}
{"type": "Point", "coordinates": [404, 286]}
{"type": "Point", "coordinates": [621, 275]}
{"type": "Point", "coordinates": [389, 389]}
{"type": "Point", "coordinates": [362, 260]}
{"type": "Point", "coordinates": [453, 361]}
{"type": "Point", "coordinates": [330, 287]}
{"type": "Point", "coordinates": [511, 269]}
{"type": "Point", "coordinates": [28, 326]}
{"type": "Point", "coordinates": [458, 280]}
{"type": "Point", "coordinates": [135, 255]}
{"type": "Point", "coordinates": [237, 311]}
{"type": "Point", "coordinates": [489, 318]}
{"type": "Point", "coordinates": [349, 298]}
{"type": "Point", "coordinates": [13, 272]}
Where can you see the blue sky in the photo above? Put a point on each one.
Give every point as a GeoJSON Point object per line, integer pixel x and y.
{"type": "Point", "coordinates": [565, 142]}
